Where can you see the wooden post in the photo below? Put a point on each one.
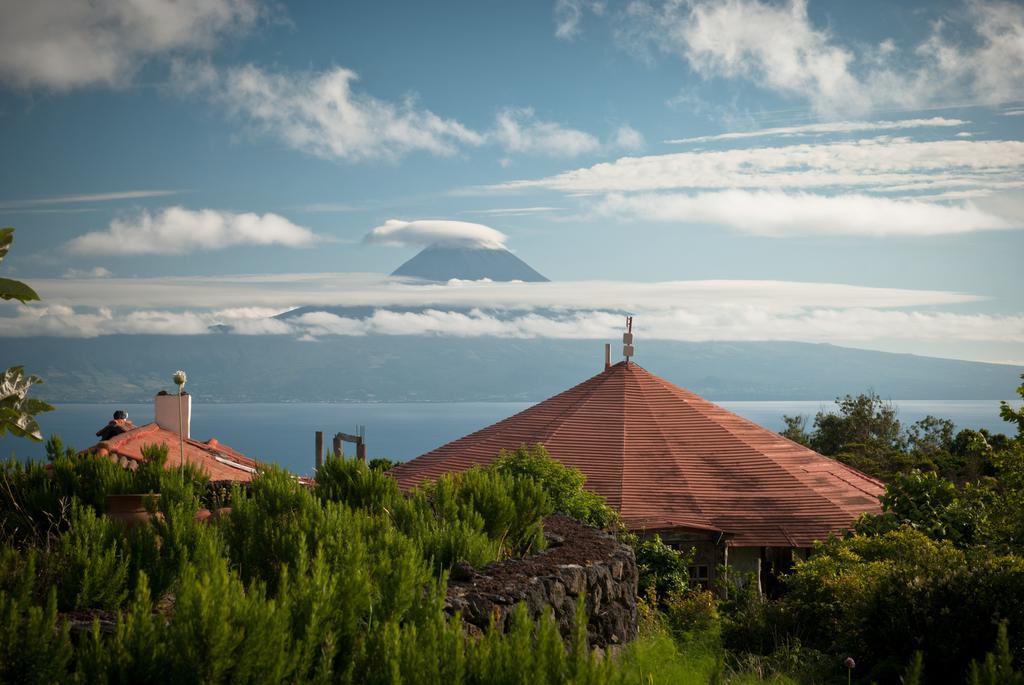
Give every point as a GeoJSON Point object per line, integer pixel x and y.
{"type": "Point", "coordinates": [339, 450]}
{"type": "Point", "coordinates": [319, 449]}
{"type": "Point", "coordinates": [361, 451]}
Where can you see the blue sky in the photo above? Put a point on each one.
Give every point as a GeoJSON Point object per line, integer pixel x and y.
{"type": "Point", "coordinates": [824, 171]}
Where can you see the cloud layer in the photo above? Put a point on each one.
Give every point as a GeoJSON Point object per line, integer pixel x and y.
{"type": "Point", "coordinates": [63, 45]}
{"type": "Point", "coordinates": [424, 232]}
{"type": "Point", "coordinates": [687, 310]}
{"type": "Point", "coordinates": [881, 164]}
{"type": "Point", "coordinates": [779, 214]}
{"type": "Point", "coordinates": [284, 291]}
{"type": "Point", "coordinates": [93, 197]}
{"type": "Point", "coordinates": [825, 128]}
{"type": "Point", "coordinates": [176, 230]}
{"type": "Point", "coordinates": [876, 186]}
{"type": "Point", "coordinates": [725, 321]}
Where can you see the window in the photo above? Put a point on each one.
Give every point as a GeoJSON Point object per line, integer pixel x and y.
{"type": "Point", "coordinates": [699, 576]}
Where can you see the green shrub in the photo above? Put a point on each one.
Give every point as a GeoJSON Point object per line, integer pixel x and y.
{"type": "Point", "coordinates": [663, 569]}
{"type": "Point", "coordinates": [689, 612]}
{"type": "Point", "coordinates": [92, 562]}
{"type": "Point", "coordinates": [34, 645]}
{"type": "Point", "coordinates": [997, 667]}
{"type": "Point", "coordinates": [356, 484]}
{"type": "Point", "coordinates": [563, 485]}
{"type": "Point", "coordinates": [882, 598]}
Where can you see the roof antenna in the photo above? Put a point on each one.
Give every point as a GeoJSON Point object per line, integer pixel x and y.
{"type": "Point", "coordinates": [627, 340]}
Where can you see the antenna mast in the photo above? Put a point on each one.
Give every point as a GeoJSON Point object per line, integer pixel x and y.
{"type": "Point", "coordinates": [627, 339]}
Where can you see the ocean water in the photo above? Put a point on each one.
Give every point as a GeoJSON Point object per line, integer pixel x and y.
{"type": "Point", "coordinates": [284, 433]}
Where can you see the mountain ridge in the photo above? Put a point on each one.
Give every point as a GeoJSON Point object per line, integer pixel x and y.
{"type": "Point", "coordinates": [383, 368]}
{"type": "Point", "coordinates": [442, 263]}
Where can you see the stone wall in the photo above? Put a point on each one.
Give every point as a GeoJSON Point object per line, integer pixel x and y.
{"type": "Point", "coordinates": [578, 560]}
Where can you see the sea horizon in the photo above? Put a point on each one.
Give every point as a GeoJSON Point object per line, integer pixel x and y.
{"type": "Point", "coordinates": [283, 432]}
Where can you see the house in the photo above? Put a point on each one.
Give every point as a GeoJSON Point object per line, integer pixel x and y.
{"type": "Point", "coordinates": [124, 442]}
{"type": "Point", "coordinates": [675, 464]}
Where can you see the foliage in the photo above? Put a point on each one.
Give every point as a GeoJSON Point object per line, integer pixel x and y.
{"type": "Point", "coordinates": [865, 432]}
{"type": "Point", "coordinates": [17, 409]}
{"type": "Point", "coordinates": [563, 484]}
{"type": "Point", "coordinates": [35, 499]}
{"type": "Point", "coordinates": [475, 517]}
{"type": "Point", "coordinates": [1011, 415]}
{"type": "Point", "coordinates": [997, 667]}
{"type": "Point", "coordinates": [34, 645]}
{"type": "Point", "coordinates": [339, 584]}
{"type": "Point", "coordinates": [382, 464]}
{"type": "Point", "coordinates": [934, 506]}
{"type": "Point", "coordinates": [663, 569]}
{"type": "Point", "coordinates": [689, 612]}
{"type": "Point", "coordinates": [10, 289]}
{"type": "Point", "coordinates": [92, 568]}
{"type": "Point", "coordinates": [890, 595]}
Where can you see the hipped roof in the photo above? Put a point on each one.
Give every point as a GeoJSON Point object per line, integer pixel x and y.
{"type": "Point", "coordinates": [669, 459]}
{"type": "Point", "coordinates": [219, 461]}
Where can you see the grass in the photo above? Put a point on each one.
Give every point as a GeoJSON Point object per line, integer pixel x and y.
{"type": "Point", "coordinates": [656, 658]}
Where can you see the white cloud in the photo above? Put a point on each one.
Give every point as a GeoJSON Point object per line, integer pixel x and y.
{"type": "Point", "coordinates": [569, 14]}
{"type": "Point", "coordinates": [688, 310]}
{"type": "Point", "coordinates": [882, 164]}
{"type": "Point", "coordinates": [778, 214]}
{"type": "Point", "coordinates": [512, 211]}
{"type": "Point", "coordinates": [825, 128]}
{"type": "Point", "coordinates": [94, 197]}
{"type": "Point", "coordinates": [95, 272]}
{"type": "Point", "coordinates": [62, 45]}
{"type": "Point", "coordinates": [628, 138]}
{"type": "Point", "coordinates": [61, 320]}
{"type": "Point", "coordinates": [520, 132]}
{"type": "Point", "coordinates": [436, 231]}
{"type": "Point", "coordinates": [176, 230]}
{"type": "Point", "coordinates": [320, 113]}
{"type": "Point", "coordinates": [690, 322]}
{"type": "Point", "coordinates": [284, 291]}
{"type": "Point", "coordinates": [777, 47]}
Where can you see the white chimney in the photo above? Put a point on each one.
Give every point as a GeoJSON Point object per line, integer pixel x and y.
{"type": "Point", "coordinates": [165, 409]}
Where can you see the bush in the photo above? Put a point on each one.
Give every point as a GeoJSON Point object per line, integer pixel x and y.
{"type": "Point", "coordinates": [886, 597]}
{"type": "Point", "coordinates": [690, 612]}
{"type": "Point", "coordinates": [563, 485]}
{"type": "Point", "coordinates": [663, 569]}
{"type": "Point", "coordinates": [91, 562]}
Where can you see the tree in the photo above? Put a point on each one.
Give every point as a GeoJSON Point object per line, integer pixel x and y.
{"type": "Point", "coordinates": [796, 430]}
{"type": "Point", "coordinates": [17, 409]}
{"type": "Point", "coordinates": [865, 422]}
{"type": "Point", "coordinates": [1011, 415]}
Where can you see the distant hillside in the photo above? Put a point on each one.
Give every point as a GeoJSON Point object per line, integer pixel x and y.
{"type": "Point", "coordinates": [240, 368]}
{"type": "Point", "coordinates": [443, 263]}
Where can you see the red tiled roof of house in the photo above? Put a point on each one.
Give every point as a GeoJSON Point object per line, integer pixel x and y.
{"type": "Point", "coordinates": [667, 458]}
{"type": "Point", "coordinates": [219, 461]}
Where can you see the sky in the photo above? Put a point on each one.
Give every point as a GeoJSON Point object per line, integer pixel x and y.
{"type": "Point", "coordinates": [820, 171]}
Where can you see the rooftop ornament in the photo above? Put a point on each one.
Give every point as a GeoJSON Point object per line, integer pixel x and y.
{"type": "Point", "coordinates": [179, 378]}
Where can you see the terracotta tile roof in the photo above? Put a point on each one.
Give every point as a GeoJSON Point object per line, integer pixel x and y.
{"type": "Point", "coordinates": [667, 458]}
{"type": "Point", "coordinates": [219, 461]}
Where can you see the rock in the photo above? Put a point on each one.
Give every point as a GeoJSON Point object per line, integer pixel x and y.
{"type": "Point", "coordinates": [579, 561]}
